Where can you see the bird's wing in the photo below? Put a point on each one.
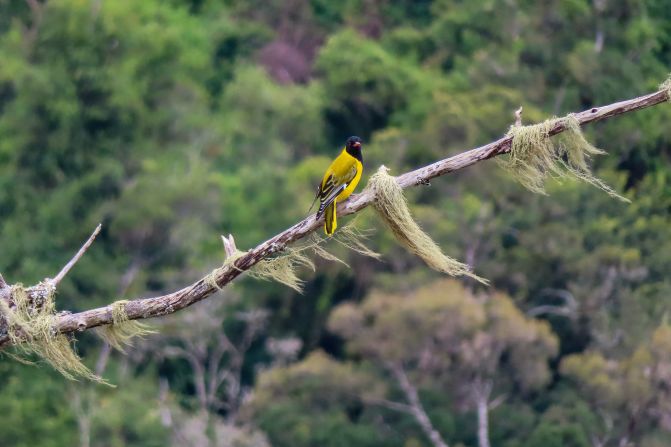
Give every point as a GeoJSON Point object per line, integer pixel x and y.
{"type": "Point", "coordinates": [336, 180]}
{"type": "Point", "coordinates": [326, 201]}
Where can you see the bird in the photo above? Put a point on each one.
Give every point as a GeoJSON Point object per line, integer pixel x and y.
{"type": "Point", "coordinates": [339, 181]}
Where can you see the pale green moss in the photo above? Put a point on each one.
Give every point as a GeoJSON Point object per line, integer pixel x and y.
{"type": "Point", "coordinates": [535, 156]}
{"type": "Point", "coordinates": [283, 267]}
{"type": "Point", "coordinates": [121, 332]}
{"type": "Point", "coordinates": [666, 86]}
{"type": "Point", "coordinates": [30, 328]}
{"type": "Point", "coordinates": [392, 207]}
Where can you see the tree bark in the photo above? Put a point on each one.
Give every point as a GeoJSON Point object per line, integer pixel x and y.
{"type": "Point", "coordinates": [142, 308]}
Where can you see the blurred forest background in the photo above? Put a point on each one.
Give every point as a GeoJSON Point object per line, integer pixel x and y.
{"type": "Point", "coordinates": [172, 122]}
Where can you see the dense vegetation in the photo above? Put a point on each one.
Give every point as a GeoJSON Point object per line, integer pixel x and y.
{"type": "Point", "coordinates": [172, 122]}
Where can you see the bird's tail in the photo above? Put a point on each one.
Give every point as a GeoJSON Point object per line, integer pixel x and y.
{"type": "Point", "coordinates": [315, 200]}
{"type": "Point", "coordinates": [330, 220]}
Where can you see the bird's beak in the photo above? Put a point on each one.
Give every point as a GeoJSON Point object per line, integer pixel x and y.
{"type": "Point", "coordinates": [357, 145]}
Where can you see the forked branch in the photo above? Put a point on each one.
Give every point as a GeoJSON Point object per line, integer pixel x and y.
{"type": "Point", "coordinates": [166, 304]}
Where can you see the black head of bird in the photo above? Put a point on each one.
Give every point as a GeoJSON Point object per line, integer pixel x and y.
{"type": "Point", "coordinates": [353, 146]}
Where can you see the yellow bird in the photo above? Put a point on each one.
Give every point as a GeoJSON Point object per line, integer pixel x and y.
{"type": "Point", "coordinates": [339, 182]}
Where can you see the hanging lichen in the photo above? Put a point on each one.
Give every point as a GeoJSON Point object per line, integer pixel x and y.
{"type": "Point", "coordinates": [283, 267]}
{"type": "Point", "coordinates": [31, 331]}
{"type": "Point", "coordinates": [120, 333]}
{"type": "Point", "coordinates": [666, 86]}
{"type": "Point", "coordinates": [535, 156]}
{"type": "Point", "coordinates": [316, 245]}
{"type": "Point", "coordinates": [392, 207]}
{"type": "Point", "coordinates": [353, 238]}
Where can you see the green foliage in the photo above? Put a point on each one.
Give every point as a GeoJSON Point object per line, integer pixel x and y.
{"type": "Point", "coordinates": [45, 413]}
{"type": "Point", "coordinates": [632, 388]}
{"type": "Point", "coordinates": [121, 418]}
{"type": "Point", "coordinates": [558, 436]}
{"type": "Point", "coordinates": [314, 403]}
{"type": "Point", "coordinates": [174, 122]}
{"type": "Point", "coordinates": [279, 123]}
{"type": "Point", "coordinates": [459, 333]}
{"type": "Point", "coordinates": [34, 414]}
{"type": "Point", "coordinates": [449, 341]}
{"type": "Point", "coordinates": [366, 84]}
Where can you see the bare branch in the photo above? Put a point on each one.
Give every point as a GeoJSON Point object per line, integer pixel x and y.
{"type": "Point", "coordinates": [103, 358]}
{"type": "Point", "coordinates": [213, 366]}
{"type": "Point", "coordinates": [518, 116]}
{"type": "Point", "coordinates": [229, 245]}
{"type": "Point", "coordinates": [496, 402]}
{"type": "Point", "coordinates": [129, 275]}
{"type": "Point", "coordinates": [568, 309]}
{"type": "Point", "coordinates": [415, 405]}
{"type": "Point", "coordinates": [37, 14]}
{"type": "Point", "coordinates": [64, 271]}
{"type": "Point", "coordinates": [142, 308]}
{"type": "Point", "coordinates": [396, 406]}
{"type": "Point", "coordinates": [549, 309]}
{"type": "Point", "coordinates": [564, 295]}
{"type": "Point", "coordinates": [223, 376]}
{"type": "Point", "coordinates": [34, 5]}
{"type": "Point", "coordinates": [164, 408]}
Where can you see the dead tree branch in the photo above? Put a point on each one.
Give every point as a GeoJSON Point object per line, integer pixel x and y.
{"type": "Point", "coordinates": [389, 404]}
{"type": "Point", "coordinates": [163, 305]}
{"type": "Point", "coordinates": [64, 271]}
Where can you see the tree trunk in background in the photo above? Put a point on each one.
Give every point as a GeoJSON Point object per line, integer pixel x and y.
{"type": "Point", "coordinates": [481, 392]}
{"type": "Point", "coordinates": [483, 423]}
{"type": "Point", "coordinates": [83, 418]}
{"type": "Point", "coordinates": [416, 408]}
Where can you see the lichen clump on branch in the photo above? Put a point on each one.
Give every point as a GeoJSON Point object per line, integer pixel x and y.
{"type": "Point", "coordinates": [283, 267]}
{"type": "Point", "coordinates": [392, 207]}
{"type": "Point", "coordinates": [666, 86]}
{"type": "Point", "coordinates": [31, 331]}
{"type": "Point", "coordinates": [535, 156]}
{"type": "Point", "coordinates": [120, 333]}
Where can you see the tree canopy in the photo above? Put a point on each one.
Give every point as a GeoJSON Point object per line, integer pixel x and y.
{"type": "Point", "coordinates": [173, 122]}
